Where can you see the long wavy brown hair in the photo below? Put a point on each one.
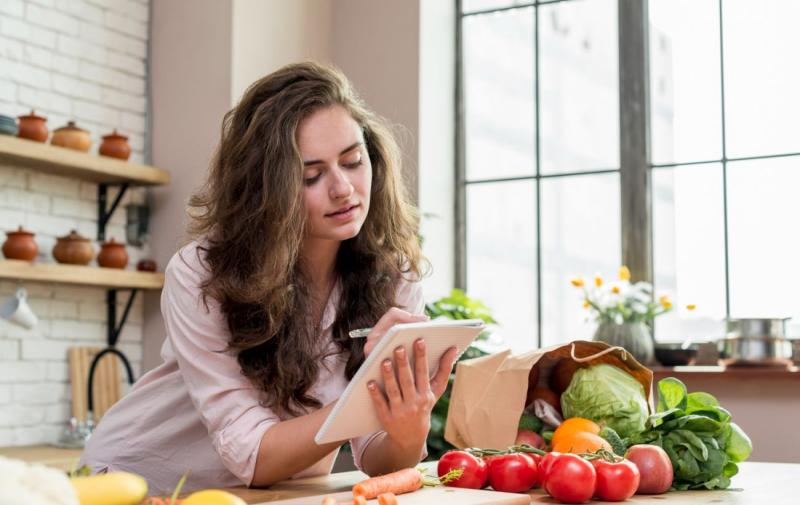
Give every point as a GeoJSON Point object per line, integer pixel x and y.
{"type": "Point", "coordinates": [250, 217]}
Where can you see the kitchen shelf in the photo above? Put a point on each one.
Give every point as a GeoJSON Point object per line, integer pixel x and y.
{"type": "Point", "coordinates": [71, 163]}
{"type": "Point", "coordinates": [110, 278]}
{"type": "Point", "coordinates": [739, 371]}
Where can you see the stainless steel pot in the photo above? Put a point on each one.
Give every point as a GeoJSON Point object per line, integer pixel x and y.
{"type": "Point", "coordinates": [769, 328]}
{"type": "Point", "coordinates": [755, 342]}
{"type": "Point", "coordinates": [755, 351]}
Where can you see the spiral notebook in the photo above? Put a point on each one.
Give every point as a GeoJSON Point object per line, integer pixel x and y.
{"type": "Point", "coordinates": [354, 413]}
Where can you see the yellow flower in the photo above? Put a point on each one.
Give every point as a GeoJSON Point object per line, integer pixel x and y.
{"type": "Point", "coordinates": [624, 273]}
{"type": "Point", "coordinates": [665, 302]}
{"type": "Point", "coordinates": [615, 290]}
{"type": "Point", "coordinates": [691, 306]}
{"type": "Point", "coordinates": [577, 282]}
{"type": "Point", "coordinates": [598, 281]}
{"type": "Point", "coordinates": [586, 304]}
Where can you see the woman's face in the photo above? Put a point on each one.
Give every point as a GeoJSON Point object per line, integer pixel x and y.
{"type": "Point", "coordinates": [337, 174]}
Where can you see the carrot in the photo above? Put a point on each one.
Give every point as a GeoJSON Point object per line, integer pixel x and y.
{"type": "Point", "coordinates": [387, 499]}
{"type": "Point", "coordinates": [402, 481]}
{"type": "Point", "coordinates": [360, 500]}
{"type": "Point", "coordinates": [329, 500]}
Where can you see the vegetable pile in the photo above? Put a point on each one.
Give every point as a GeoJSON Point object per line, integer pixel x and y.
{"type": "Point", "coordinates": [698, 436]}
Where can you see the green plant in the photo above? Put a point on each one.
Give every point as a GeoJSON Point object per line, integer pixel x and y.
{"type": "Point", "coordinates": [457, 305]}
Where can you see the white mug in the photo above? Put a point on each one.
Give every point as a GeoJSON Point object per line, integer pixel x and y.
{"type": "Point", "coordinates": [16, 310]}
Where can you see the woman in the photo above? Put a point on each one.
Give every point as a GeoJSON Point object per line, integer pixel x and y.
{"type": "Point", "coordinates": [301, 233]}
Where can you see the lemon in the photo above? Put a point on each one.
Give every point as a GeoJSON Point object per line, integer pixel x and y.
{"type": "Point", "coordinates": [213, 497]}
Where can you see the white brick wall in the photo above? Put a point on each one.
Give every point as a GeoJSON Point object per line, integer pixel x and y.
{"type": "Point", "coordinates": [81, 60]}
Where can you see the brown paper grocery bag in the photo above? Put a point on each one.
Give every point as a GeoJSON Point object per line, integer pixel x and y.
{"type": "Point", "coordinates": [489, 393]}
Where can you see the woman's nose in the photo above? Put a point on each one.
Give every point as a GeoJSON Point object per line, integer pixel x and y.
{"type": "Point", "coordinates": [341, 186]}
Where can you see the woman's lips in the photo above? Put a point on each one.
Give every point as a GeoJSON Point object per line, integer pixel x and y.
{"type": "Point", "coordinates": [344, 215]}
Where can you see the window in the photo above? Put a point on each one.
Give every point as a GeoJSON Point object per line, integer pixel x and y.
{"type": "Point", "coordinates": [540, 172]}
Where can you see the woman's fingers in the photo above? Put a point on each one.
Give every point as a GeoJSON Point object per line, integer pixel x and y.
{"type": "Point", "coordinates": [404, 375]}
{"type": "Point", "coordinates": [381, 406]}
{"type": "Point", "coordinates": [390, 383]}
{"type": "Point", "coordinates": [421, 366]}
{"type": "Point", "coordinates": [392, 317]}
{"type": "Point", "coordinates": [439, 381]}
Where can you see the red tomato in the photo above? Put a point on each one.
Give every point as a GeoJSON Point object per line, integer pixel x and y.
{"type": "Point", "coordinates": [544, 466]}
{"type": "Point", "coordinates": [654, 467]}
{"type": "Point", "coordinates": [615, 481]}
{"type": "Point", "coordinates": [571, 479]}
{"type": "Point", "coordinates": [476, 471]}
{"type": "Point", "coordinates": [512, 473]}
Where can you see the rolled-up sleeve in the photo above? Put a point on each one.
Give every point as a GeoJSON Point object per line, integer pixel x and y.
{"type": "Point", "coordinates": [226, 401]}
{"type": "Point", "coordinates": [409, 298]}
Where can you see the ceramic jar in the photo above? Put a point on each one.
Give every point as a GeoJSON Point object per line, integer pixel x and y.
{"type": "Point", "coordinates": [146, 266]}
{"type": "Point", "coordinates": [20, 245]}
{"type": "Point", "coordinates": [33, 127]}
{"type": "Point", "coordinates": [72, 137]}
{"type": "Point", "coordinates": [115, 145]}
{"type": "Point", "coordinates": [8, 125]}
{"type": "Point", "coordinates": [112, 255]}
{"type": "Point", "coordinates": [73, 249]}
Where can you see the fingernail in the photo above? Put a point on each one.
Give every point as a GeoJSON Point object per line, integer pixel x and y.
{"type": "Point", "coordinates": [400, 351]}
{"type": "Point", "coordinates": [420, 343]}
{"type": "Point", "coordinates": [371, 385]}
{"type": "Point", "coordinates": [387, 364]}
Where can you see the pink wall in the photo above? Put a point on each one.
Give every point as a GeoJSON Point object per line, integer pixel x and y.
{"type": "Point", "coordinates": [190, 51]}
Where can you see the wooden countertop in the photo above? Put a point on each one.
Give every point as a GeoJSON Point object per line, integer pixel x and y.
{"type": "Point", "coordinates": [757, 483]}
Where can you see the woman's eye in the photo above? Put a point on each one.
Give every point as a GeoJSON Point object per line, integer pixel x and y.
{"type": "Point", "coordinates": [308, 181]}
{"type": "Point", "coordinates": [353, 164]}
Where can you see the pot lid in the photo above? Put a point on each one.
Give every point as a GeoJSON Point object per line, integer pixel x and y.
{"type": "Point", "coordinates": [111, 243]}
{"type": "Point", "coordinates": [115, 135]}
{"type": "Point", "coordinates": [19, 231]}
{"type": "Point", "coordinates": [32, 115]}
{"type": "Point", "coordinates": [70, 126]}
{"type": "Point", "coordinates": [74, 235]}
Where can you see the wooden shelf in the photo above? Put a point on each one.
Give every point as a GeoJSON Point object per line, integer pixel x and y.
{"type": "Point", "coordinates": [80, 275]}
{"type": "Point", "coordinates": [742, 371]}
{"type": "Point", "coordinates": [68, 162]}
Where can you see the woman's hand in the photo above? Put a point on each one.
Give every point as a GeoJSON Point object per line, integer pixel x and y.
{"type": "Point", "coordinates": [392, 317]}
{"type": "Point", "coordinates": [405, 408]}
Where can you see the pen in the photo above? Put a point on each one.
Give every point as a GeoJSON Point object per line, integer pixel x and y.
{"type": "Point", "coordinates": [359, 333]}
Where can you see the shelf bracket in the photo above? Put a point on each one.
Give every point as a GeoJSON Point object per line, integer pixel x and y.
{"type": "Point", "coordinates": [113, 332]}
{"type": "Point", "coordinates": [103, 212]}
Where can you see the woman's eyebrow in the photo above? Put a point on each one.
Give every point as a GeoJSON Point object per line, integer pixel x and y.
{"type": "Point", "coordinates": [345, 150]}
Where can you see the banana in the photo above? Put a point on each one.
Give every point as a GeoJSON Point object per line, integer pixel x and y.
{"type": "Point", "coordinates": [115, 488]}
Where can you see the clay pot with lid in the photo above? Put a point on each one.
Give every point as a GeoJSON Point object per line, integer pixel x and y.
{"type": "Point", "coordinates": [115, 145]}
{"type": "Point", "coordinates": [33, 127]}
{"type": "Point", "coordinates": [20, 245]}
{"type": "Point", "coordinates": [73, 249]}
{"type": "Point", "coordinates": [72, 137]}
{"type": "Point", "coordinates": [112, 255]}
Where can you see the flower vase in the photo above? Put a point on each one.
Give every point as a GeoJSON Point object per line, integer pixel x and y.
{"type": "Point", "coordinates": [634, 337]}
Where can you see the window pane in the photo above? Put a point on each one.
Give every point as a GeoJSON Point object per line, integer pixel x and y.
{"type": "Point", "coordinates": [498, 94]}
{"type": "Point", "coordinates": [761, 76]}
{"type": "Point", "coordinates": [580, 236]}
{"type": "Point", "coordinates": [689, 251]}
{"type": "Point", "coordinates": [501, 256]}
{"type": "Point", "coordinates": [685, 88]}
{"type": "Point", "coordinates": [763, 238]}
{"type": "Point", "coordinates": [479, 5]}
{"type": "Point", "coordinates": [579, 86]}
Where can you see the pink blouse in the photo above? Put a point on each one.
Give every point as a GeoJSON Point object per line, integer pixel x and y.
{"type": "Point", "coordinates": [196, 411]}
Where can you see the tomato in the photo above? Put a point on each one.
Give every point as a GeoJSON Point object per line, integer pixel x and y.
{"type": "Point", "coordinates": [476, 471]}
{"type": "Point", "coordinates": [615, 481]}
{"type": "Point", "coordinates": [570, 479]}
{"type": "Point", "coordinates": [531, 438]}
{"type": "Point", "coordinates": [544, 466]}
{"type": "Point", "coordinates": [512, 473]}
{"type": "Point", "coordinates": [654, 467]}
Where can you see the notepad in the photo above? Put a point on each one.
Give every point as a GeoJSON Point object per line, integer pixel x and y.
{"type": "Point", "coordinates": [354, 413]}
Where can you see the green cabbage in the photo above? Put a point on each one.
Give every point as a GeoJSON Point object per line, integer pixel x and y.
{"type": "Point", "coordinates": [608, 396]}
